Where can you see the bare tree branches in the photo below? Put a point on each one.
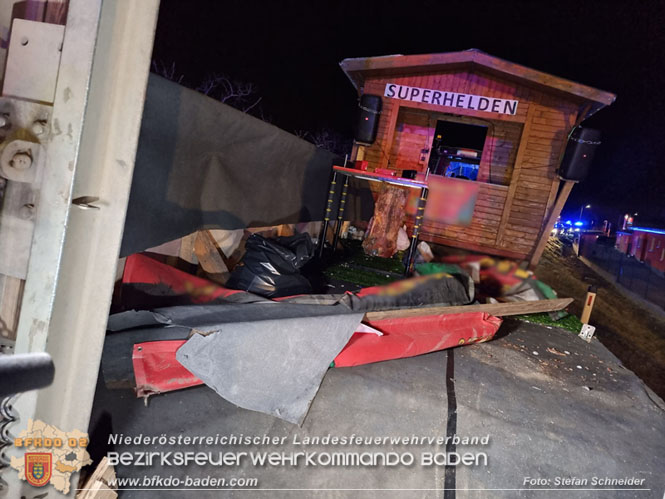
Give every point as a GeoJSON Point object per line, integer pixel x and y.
{"type": "Point", "coordinates": [240, 95]}
{"type": "Point", "coordinates": [167, 72]}
{"type": "Point", "coordinates": [326, 139]}
{"type": "Point", "coordinates": [243, 96]}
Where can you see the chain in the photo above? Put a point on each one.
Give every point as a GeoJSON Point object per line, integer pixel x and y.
{"type": "Point", "coordinates": [582, 141]}
{"type": "Point", "coordinates": [8, 415]}
{"type": "Point", "coordinates": [368, 109]}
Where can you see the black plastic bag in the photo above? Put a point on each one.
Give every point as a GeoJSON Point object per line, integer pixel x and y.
{"type": "Point", "coordinates": [271, 267]}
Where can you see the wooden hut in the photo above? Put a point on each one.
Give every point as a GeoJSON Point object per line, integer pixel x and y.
{"type": "Point", "coordinates": [522, 116]}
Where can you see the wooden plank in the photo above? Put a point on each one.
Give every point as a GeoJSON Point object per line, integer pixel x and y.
{"type": "Point", "coordinates": [535, 186]}
{"type": "Point", "coordinates": [559, 120]}
{"type": "Point", "coordinates": [549, 147]}
{"type": "Point", "coordinates": [210, 257]}
{"type": "Point", "coordinates": [556, 210]}
{"type": "Point", "coordinates": [532, 195]}
{"type": "Point", "coordinates": [522, 231]}
{"type": "Point", "coordinates": [497, 197]}
{"type": "Point", "coordinates": [187, 248]}
{"type": "Point", "coordinates": [97, 486]}
{"type": "Point", "coordinates": [542, 157]}
{"type": "Point", "coordinates": [553, 135]}
{"type": "Point", "coordinates": [490, 206]}
{"type": "Point", "coordinates": [549, 114]}
{"type": "Point", "coordinates": [571, 121]}
{"type": "Point", "coordinates": [533, 220]}
{"type": "Point", "coordinates": [552, 198]}
{"type": "Point", "coordinates": [487, 215]}
{"type": "Point", "coordinates": [498, 309]}
{"type": "Point", "coordinates": [542, 176]}
{"type": "Point", "coordinates": [462, 233]}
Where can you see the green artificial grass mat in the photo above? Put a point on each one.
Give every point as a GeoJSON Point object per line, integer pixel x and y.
{"type": "Point", "coordinates": [569, 322]}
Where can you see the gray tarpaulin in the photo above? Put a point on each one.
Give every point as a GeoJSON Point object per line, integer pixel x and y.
{"type": "Point", "coordinates": [201, 163]}
{"type": "Point", "coordinates": [273, 366]}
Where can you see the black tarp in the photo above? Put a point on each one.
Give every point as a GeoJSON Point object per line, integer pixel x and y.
{"type": "Point", "coordinates": [203, 164]}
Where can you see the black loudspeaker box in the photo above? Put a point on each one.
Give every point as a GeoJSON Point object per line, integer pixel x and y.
{"type": "Point", "coordinates": [368, 118]}
{"type": "Point", "coordinates": [579, 153]}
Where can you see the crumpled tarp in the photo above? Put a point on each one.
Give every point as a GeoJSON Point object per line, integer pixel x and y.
{"type": "Point", "coordinates": [272, 366]}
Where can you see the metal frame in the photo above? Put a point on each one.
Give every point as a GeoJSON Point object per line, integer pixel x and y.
{"type": "Point", "coordinates": [95, 127]}
{"type": "Point", "coordinates": [350, 172]}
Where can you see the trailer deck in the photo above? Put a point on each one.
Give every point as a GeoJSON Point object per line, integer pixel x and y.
{"type": "Point", "coordinates": [539, 407]}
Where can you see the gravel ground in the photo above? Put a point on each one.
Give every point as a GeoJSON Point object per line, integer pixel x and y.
{"type": "Point", "coordinates": [632, 332]}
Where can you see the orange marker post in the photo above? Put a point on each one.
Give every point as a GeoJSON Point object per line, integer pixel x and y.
{"type": "Point", "coordinates": [588, 304]}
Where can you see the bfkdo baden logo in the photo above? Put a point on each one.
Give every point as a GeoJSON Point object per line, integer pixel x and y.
{"type": "Point", "coordinates": [50, 455]}
{"type": "Point", "coordinates": [38, 468]}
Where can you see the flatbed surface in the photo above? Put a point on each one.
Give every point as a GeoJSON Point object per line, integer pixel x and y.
{"type": "Point", "coordinates": [557, 413]}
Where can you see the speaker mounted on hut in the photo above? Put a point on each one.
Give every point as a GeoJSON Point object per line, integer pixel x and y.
{"type": "Point", "coordinates": [369, 109]}
{"type": "Point", "coordinates": [579, 153]}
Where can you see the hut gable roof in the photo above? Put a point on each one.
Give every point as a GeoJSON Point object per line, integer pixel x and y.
{"type": "Point", "coordinates": [361, 68]}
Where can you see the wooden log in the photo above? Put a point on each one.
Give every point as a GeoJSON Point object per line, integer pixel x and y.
{"type": "Point", "coordinates": [498, 309]}
{"type": "Point", "coordinates": [381, 239]}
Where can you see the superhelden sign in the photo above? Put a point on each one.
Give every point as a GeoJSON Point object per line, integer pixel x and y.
{"type": "Point", "coordinates": [451, 99]}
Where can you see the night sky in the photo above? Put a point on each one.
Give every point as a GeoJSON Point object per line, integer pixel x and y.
{"type": "Point", "coordinates": [291, 52]}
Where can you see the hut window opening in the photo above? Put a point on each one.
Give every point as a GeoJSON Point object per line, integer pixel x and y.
{"type": "Point", "coordinates": [457, 149]}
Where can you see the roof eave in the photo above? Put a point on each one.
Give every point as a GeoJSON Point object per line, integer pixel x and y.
{"type": "Point", "coordinates": [356, 68]}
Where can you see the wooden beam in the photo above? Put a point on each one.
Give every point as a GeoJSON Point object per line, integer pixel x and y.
{"type": "Point", "coordinates": [514, 180]}
{"type": "Point", "coordinates": [573, 122]}
{"type": "Point", "coordinates": [554, 215]}
{"type": "Point", "coordinates": [208, 253]}
{"type": "Point", "coordinates": [498, 309]}
{"type": "Point", "coordinates": [387, 144]}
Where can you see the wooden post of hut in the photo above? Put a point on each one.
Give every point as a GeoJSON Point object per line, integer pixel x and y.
{"type": "Point", "coordinates": [492, 134]}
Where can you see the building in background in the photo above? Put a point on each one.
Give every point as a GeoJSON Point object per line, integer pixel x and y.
{"type": "Point", "coordinates": [646, 244]}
